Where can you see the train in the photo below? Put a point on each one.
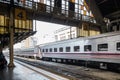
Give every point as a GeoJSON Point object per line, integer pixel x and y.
{"type": "Point", "coordinates": [101, 51]}
{"type": "Point", "coordinates": [33, 52]}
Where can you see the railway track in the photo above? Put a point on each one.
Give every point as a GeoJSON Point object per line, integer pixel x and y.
{"type": "Point", "coordinates": [75, 72]}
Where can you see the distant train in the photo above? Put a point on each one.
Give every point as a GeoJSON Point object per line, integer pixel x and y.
{"type": "Point", "coordinates": [102, 50]}
{"type": "Point", "coordinates": [28, 52]}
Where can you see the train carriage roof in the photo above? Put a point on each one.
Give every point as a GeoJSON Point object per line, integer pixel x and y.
{"type": "Point", "coordinates": [109, 34]}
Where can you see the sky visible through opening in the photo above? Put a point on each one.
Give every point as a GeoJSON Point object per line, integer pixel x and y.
{"type": "Point", "coordinates": [45, 32]}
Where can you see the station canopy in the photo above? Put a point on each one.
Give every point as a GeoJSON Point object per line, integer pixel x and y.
{"type": "Point", "coordinates": [109, 8]}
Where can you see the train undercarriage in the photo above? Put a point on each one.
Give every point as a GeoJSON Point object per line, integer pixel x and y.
{"type": "Point", "coordinates": [87, 63]}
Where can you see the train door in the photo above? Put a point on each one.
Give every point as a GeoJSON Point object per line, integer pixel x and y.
{"type": "Point", "coordinates": [40, 53]}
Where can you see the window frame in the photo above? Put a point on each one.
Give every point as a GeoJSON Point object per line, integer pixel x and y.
{"type": "Point", "coordinates": [118, 46]}
{"type": "Point", "coordinates": [68, 49]}
{"type": "Point", "coordinates": [76, 48]}
{"type": "Point", "coordinates": [43, 50]}
{"type": "Point", "coordinates": [46, 50]}
{"type": "Point", "coordinates": [102, 47]}
{"type": "Point", "coordinates": [50, 50]}
{"type": "Point", "coordinates": [61, 49]}
{"type": "Point", "coordinates": [55, 49]}
{"type": "Point", "coordinates": [87, 48]}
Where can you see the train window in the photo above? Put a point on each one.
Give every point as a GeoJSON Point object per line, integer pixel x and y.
{"type": "Point", "coordinates": [60, 49]}
{"type": "Point", "coordinates": [87, 48]}
{"type": "Point", "coordinates": [67, 49]}
{"type": "Point", "coordinates": [43, 50]}
{"type": "Point", "coordinates": [55, 49]}
{"type": "Point", "coordinates": [118, 46]}
{"type": "Point", "coordinates": [50, 49]}
{"type": "Point", "coordinates": [76, 48]}
{"type": "Point", "coordinates": [103, 47]}
{"type": "Point", "coordinates": [46, 50]}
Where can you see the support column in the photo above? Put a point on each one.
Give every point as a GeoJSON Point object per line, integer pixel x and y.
{"type": "Point", "coordinates": [70, 32]}
{"type": "Point", "coordinates": [78, 29]}
{"type": "Point", "coordinates": [11, 57]}
{"type": "Point", "coordinates": [89, 29]}
{"type": "Point", "coordinates": [11, 25]}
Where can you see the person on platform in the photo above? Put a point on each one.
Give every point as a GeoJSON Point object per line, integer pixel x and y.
{"type": "Point", "coordinates": [3, 61]}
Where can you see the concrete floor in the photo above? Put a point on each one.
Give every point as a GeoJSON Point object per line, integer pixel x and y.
{"type": "Point", "coordinates": [23, 71]}
{"type": "Point", "coordinates": [20, 73]}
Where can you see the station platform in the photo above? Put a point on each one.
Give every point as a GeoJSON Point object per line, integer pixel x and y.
{"type": "Point", "coordinates": [23, 71]}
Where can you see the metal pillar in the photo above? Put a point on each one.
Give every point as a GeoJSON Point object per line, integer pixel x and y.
{"type": "Point", "coordinates": [70, 32]}
{"type": "Point", "coordinates": [11, 24]}
{"type": "Point", "coordinates": [78, 29]}
{"type": "Point", "coordinates": [78, 32]}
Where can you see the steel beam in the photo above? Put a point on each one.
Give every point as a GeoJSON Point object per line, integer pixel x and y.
{"type": "Point", "coordinates": [11, 25]}
{"type": "Point", "coordinates": [96, 12]}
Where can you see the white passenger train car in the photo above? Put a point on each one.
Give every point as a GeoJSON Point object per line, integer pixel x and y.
{"type": "Point", "coordinates": [28, 52]}
{"type": "Point", "coordinates": [104, 49]}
